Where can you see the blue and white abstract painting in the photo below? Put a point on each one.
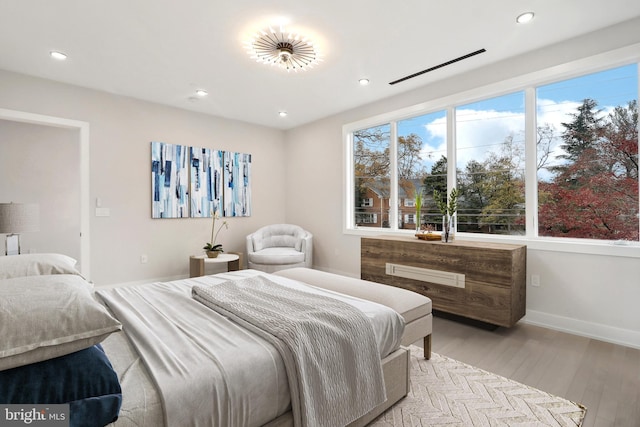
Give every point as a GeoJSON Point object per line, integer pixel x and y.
{"type": "Point", "coordinates": [237, 184]}
{"type": "Point", "coordinates": [169, 180]}
{"type": "Point", "coordinates": [206, 181]}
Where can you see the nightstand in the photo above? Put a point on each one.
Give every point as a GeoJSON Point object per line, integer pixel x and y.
{"type": "Point", "coordinates": [197, 262]}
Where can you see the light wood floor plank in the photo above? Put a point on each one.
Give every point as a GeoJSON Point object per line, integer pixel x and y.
{"type": "Point", "coordinates": [562, 369]}
{"type": "Point", "coordinates": [603, 377]}
{"type": "Point", "coordinates": [629, 407]}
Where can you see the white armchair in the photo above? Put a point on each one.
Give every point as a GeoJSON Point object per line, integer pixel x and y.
{"type": "Point", "coordinates": [279, 246]}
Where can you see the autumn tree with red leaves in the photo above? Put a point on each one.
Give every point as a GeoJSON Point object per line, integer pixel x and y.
{"type": "Point", "coordinates": [594, 193]}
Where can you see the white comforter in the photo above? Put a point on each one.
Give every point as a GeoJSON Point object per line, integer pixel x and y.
{"type": "Point", "coordinates": [209, 370]}
{"type": "Point", "coordinates": [328, 346]}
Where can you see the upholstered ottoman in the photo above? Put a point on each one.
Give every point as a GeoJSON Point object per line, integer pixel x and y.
{"type": "Point", "coordinates": [413, 307]}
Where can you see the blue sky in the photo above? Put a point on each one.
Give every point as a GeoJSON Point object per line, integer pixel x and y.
{"type": "Point", "coordinates": [494, 119]}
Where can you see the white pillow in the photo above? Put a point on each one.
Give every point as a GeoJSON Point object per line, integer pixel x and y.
{"type": "Point", "coordinates": [42, 317]}
{"type": "Point", "coordinates": [36, 264]}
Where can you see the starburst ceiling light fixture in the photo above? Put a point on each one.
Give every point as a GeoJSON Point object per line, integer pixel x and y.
{"type": "Point", "coordinates": [287, 50]}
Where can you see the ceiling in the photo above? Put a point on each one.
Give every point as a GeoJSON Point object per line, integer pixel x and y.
{"type": "Point", "coordinates": [164, 50]}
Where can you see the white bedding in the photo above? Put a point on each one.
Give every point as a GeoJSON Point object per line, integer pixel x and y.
{"type": "Point", "coordinates": [141, 403]}
{"type": "Point", "coordinates": [388, 325]}
{"type": "Point", "coordinates": [225, 374]}
{"type": "Point", "coordinates": [328, 346]}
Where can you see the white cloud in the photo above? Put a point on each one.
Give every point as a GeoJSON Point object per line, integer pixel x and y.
{"type": "Point", "coordinates": [435, 145]}
{"type": "Point", "coordinates": [478, 133]}
{"type": "Point", "coordinates": [481, 132]}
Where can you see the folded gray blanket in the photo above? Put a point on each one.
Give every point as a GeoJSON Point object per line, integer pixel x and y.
{"type": "Point", "coordinates": [328, 347]}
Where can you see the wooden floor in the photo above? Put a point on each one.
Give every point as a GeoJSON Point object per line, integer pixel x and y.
{"type": "Point", "coordinates": [601, 376]}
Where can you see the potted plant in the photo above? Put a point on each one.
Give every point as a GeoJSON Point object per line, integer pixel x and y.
{"type": "Point", "coordinates": [213, 249]}
{"type": "Point", "coordinates": [448, 210]}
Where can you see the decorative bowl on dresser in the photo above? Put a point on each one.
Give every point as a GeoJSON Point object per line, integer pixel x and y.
{"type": "Point", "coordinates": [477, 280]}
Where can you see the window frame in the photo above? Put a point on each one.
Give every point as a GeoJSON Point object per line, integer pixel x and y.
{"type": "Point", "coordinates": [527, 83]}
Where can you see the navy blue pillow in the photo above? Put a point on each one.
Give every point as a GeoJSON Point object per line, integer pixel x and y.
{"type": "Point", "coordinates": [84, 379]}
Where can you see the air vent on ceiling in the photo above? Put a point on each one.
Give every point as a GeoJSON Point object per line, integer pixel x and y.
{"type": "Point", "coordinates": [444, 64]}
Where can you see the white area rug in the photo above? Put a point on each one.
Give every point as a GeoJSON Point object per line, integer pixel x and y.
{"type": "Point", "coordinates": [445, 392]}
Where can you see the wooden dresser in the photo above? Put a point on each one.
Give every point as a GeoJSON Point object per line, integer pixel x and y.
{"type": "Point", "coordinates": [489, 284]}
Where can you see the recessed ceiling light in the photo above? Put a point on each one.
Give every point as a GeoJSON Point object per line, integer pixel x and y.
{"type": "Point", "coordinates": [363, 82]}
{"type": "Point", "coordinates": [58, 55]}
{"type": "Point", "coordinates": [201, 92]}
{"type": "Point", "coordinates": [282, 114]}
{"type": "Point", "coordinates": [524, 17]}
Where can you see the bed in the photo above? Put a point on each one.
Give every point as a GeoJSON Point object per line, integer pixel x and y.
{"type": "Point", "coordinates": [158, 371]}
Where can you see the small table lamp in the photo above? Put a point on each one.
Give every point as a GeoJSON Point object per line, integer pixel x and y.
{"type": "Point", "coordinates": [17, 218]}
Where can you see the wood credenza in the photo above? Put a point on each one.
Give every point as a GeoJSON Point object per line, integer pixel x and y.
{"type": "Point", "coordinates": [494, 274]}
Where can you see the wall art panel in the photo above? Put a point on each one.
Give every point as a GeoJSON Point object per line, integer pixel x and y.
{"type": "Point", "coordinates": [169, 180]}
{"type": "Point", "coordinates": [206, 181]}
{"type": "Point", "coordinates": [237, 184]}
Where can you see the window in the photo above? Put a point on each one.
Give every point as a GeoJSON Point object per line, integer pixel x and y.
{"type": "Point", "coordinates": [587, 164]}
{"type": "Point", "coordinates": [421, 154]}
{"type": "Point", "coordinates": [371, 176]}
{"type": "Point", "coordinates": [366, 218]}
{"type": "Point", "coordinates": [490, 165]}
{"type": "Point", "coordinates": [579, 181]}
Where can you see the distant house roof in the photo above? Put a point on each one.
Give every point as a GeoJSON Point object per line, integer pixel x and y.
{"type": "Point", "coordinates": [381, 188]}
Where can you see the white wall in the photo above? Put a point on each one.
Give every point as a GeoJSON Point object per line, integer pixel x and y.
{"type": "Point", "coordinates": [121, 130]}
{"type": "Point", "coordinates": [585, 294]}
{"type": "Point", "coordinates": [40, 164]}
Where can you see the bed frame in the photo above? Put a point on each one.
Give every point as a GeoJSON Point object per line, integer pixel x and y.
{"type": "Point", "coordinates": [142, 403]}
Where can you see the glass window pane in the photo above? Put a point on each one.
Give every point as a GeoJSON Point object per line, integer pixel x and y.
{"type": "Point", "coordinates": [372, 176]}
{"type": "Point", "coordinates": [422, 166]}
{"type": "Point", "coordinates": [490, 165]}
{"type": "Point", "coordinates": [588, 156]}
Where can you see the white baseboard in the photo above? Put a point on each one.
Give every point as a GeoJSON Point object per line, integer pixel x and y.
{"type": "Point", "coordinates": [625, 337]}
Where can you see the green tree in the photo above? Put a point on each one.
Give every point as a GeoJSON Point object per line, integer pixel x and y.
{"type": "Point", "coordinates": [492, 191]}
{"type": "Point", "coordinates": [581, 141]}
{"type": "Point", "coordinates": [437, 179]}
{"type": "Point", "coordinates": [474, 186]}
{"type": "Point", "coordinates": [505, 208]}
{"type": "Point", "coordinates": [583, 132]}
